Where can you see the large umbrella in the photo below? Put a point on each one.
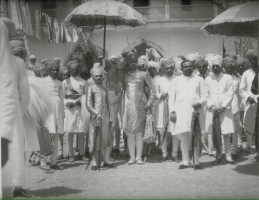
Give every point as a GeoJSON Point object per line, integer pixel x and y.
{"type": "Point", "coordinates": [238, 21]}
{"type": "Point", "coordinates": [104, 13]}
{"type": "Point", "coordinates": [241, 20]}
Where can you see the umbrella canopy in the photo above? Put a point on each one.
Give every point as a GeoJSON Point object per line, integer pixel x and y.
{"type": "Point", "coordinates": [115, 13]}
{"type": "Point", "coordinates": [238, 21]}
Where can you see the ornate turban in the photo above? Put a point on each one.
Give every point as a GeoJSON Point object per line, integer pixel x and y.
{"type": "Point", "coordinates": [251, 53]}
{"type": "Point", "coordinates": [57, 59]}
{"type": "Point", "coordinates": [70, 63]}
{"type": "Point", "coordinates": [97, 69]}
{"type": "Point", "coordinates": [165, 62]}
{"type": "Point", "coordinates": [153, 64]}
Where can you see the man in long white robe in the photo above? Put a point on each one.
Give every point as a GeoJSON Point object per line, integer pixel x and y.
{"type": "Point", "coordinates": [220, 95]}
{"type": "Point", "coordinates": [162, 87]}
{"type": "Point", "coordinates": [9, 105]}
{"type": "Point", "coordinates": [229, 66]}
{"type": "Point", "coordinates": [188, 94]}
{"type": "Point", "coordinates": [248, 97]}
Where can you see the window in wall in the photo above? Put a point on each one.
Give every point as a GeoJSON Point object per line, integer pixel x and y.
{"type": "Point", "coordinates": [140, 3]}
{"type": "Point", "coordinates": [186, 5]}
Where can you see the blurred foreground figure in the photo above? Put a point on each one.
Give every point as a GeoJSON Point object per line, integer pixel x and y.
{"type": "Point", "coordinates": [12, 127]}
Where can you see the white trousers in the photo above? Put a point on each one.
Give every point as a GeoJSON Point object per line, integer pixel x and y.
{"type": "Point", "coordinates": [185, 146]}
{"type": "Point", "coordinates": [175, 145]}
{"type": "Point", "coordinates": [135, 141]}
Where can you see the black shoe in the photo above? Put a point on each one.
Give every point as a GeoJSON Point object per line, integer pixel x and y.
{"type": "Point", "coordinates": [183, 167]}
{"type": "Point", "coordinates": [196, 167]}
{"type": "Point", "coordinates": [217, 161]}
{"type": "Point", "coordinates": [94, 168]}
{"type": "Point", "coordinates": [235, 156]}
{"type": "Point", "coordinates": [163, 159]}
{"type": "Point", "coordinates": [60, 157]}
{"type": "Point", "coordinates": [21, 193]}
{"type": "Point", "coordinates": [83, 158]}
{"type": "Point", "coordinates": [56, 167]}
{"type": "Point", "coordinates": [175, 159]}
{"type": "Point", "coordinates": [109, 165]}
{"type": "Point", "coordinates": [116, 152]}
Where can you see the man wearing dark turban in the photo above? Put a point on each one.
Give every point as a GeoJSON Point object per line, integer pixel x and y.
{"type": "Point", "coordinates": [247, 96]}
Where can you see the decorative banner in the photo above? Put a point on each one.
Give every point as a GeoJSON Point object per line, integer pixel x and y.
{"type": "Point", "coordinates": [30, 21]}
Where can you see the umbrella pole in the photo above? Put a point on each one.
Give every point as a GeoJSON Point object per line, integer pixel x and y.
{"type": "Point", "coordinates": [104, 40]}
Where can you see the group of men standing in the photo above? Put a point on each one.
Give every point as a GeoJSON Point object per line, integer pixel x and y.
{"type": "Point", "coordinates": [212, 86]}
{"type": "Point", "coordinates": [175, 90]}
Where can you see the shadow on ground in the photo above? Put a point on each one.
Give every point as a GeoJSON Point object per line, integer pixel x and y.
{"type": "Point", "coordinates": [248, 169]}
{"type": "Point", "coordinates": [54, 191]}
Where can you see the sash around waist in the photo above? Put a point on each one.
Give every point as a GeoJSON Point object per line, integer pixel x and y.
{"type": "Point", "coordinates": [73, 96]}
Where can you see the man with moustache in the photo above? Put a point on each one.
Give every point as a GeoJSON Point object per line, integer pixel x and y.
{"type": "Point", "coordinates": [230, 66]}
{"type": "Point", "coordinates": [163, 85]}
{"type": "Point", "coordinates": [188, 94]}
{"type": "Point", "coordinates": [220, 95]}
{"type": "Point", "coordinates": [134, 105]}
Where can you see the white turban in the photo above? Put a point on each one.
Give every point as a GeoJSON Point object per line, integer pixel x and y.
{"type": "Point", "coordinates": [216, 60]}
{"type": "Point", "coordinates": [165, 62]}
{"type": "Point", "coordinates": [97, 69]}
{"type": "Point", "coordinates": [193, 56]}
{"type": "Point", "coordinates": [178, 62]}
{"type": "Point", "coordinates": [153, 64]}
{"type": "Point", "coordinates": [113, 57]}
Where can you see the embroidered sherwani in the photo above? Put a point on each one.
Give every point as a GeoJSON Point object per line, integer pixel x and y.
{"type": "Point", "coordinates": [97, 102]}
{"type": "Point", "coordinates": [134, 101]}
{"type": "Point", "coordinates": [186, 91]}
{"type": "Point", "coordinates": [220, 94]}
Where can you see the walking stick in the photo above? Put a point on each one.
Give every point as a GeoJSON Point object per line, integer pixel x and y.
{"type": "Point", "coordinates": [94, 146]}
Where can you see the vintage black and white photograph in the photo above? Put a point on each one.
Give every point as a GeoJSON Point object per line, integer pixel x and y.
{"type": "Point", "coordinates": [129, 99]}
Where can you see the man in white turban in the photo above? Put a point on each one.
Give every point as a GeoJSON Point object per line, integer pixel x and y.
{"type": "Point", "coordinates": [162, 86]}
{"type": "Point", "coordinates": [98, 105]}
{"type": "Point", "coordinates": [221, 91]}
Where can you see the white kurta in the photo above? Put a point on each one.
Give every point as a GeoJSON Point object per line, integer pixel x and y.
{"type": "Point", "coordinates": [16, 163]}
{"type": "Point", "coordinates": [236, 98]}
{"type": "Point", "coordinates": [10, 110]}
{"type": "Point", "coordinates": [245, 92]}
{"type": "Point", "coordinates": [73, 121]}
{"type": "Point", "coordinates": [163, 85]}
{"type": "Point", "coordinates": [186, 91]}
{"type": "Point", "coordinates": [220, 94]}
{"type": "Point", "coordinates": [56, 120]}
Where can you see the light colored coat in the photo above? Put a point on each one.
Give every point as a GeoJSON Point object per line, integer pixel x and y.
{"type": "Point", "coordinates": [220, 94]}
{"type": "Point", "coordinates": [163, 85]}
{"type": "Point", "coordinates": [186, 91]}
{"type": "Point", "coordinates": [55, 121]}
{"type": "Point", "coordinates": [236, 99]}
{"type": "Point", "coordinates": [245, 92]}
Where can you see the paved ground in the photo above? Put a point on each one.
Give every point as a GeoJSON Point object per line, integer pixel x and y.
{"type": "Point", "coordinates": [151, 180]}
